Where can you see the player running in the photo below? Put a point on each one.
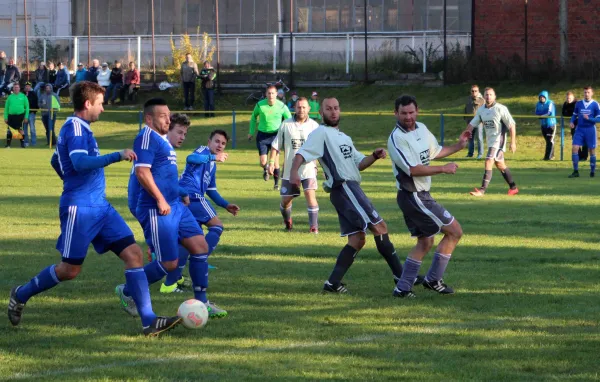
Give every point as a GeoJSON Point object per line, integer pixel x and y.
{"type": "Point", "coordinates": [292, 135]}
{"type": "Point", "coordinates": [587, 114]}
{"type": "Point", "coordinates": [166, 221]}
{"type": "Point", "coordinates": [412, 147]}
{"type": "Point", "coordinates": [87, 217]}
{"type": "Point", "coordinates": [342, 164]}
{"type": "Point", "coordinates": [199, 179]}
{"type": "Point", "coordinates": [270, 112]}
{"type": "Point", "coordinates": [497, 122]}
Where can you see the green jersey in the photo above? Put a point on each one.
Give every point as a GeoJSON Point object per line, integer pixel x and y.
{"type": "Point", "coordinates": [314, 109]}
{"type": "Point", "coordinates": [16, 104]}
{"type": "Point", "coordinates": [270, 117]}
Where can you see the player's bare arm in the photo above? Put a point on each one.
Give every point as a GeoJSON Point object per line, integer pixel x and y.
{"type": "Point", "coordinates": [420, 170]}
{"type": "Point", "coordinates": [368, 161]}
{"type": "Point", "coordinates": [146, 179]}
{"type": "Point", "coordinates": [463, 140]}
{"type": "Point", "coordinates": [513, 138]}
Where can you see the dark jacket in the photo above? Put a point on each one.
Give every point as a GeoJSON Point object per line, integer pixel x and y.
{"type": "Point", "coordinates": [92, 74]}
{"type": "Point", "coordinates": [568, 109]}
{"type": "Point", "coordinates": [472, 105]}
{"type": "Point", "coordinates": [11, 74]}
{"type": "Point", "coordinates": [208, 76]}
{"type": "Point", "coordinates": [116, 76]}
{"type": "Point", "coordinates": [63, 77]}
{"type": "Point", "coordinates": [52, 76]}
{"type": "Point", "coordinates": [33, 101]}
{"type": "Point", "coordinates": [2, 67]}
{"type": "Point", "coordinates": [41, 75]}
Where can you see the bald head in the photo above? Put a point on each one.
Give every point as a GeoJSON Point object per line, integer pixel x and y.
{"type": "Point", "coordinates": [330, 110]}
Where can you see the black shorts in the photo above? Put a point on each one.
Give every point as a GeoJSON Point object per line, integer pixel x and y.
{"type": "Point", "coordinates": [496, 154]}
{"type": "Point", "coordinates": [16, 121]}
{"type": "Point", "coordinates": [423, 216]}
{"type": "Point", "coordinates": [288, 189]}
{"type": "Point", "coordinates": [355, 211]}
{"type": "Point", "coordinates": [263, 142]}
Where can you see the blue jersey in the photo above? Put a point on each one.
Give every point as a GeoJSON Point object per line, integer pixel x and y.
{"type": "Point", "coordinates": [133, 191]}
{"type": "Point", "coordinates": [155, 152]}
{"type": "Point", "coordinates": [591, 109]}
{"type": "Point", "coordinates": [199, 178]}
{"type": "Point", "coordinates": [85, 188]}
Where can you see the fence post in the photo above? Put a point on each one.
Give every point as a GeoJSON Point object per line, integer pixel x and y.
{"type": "Point", "coordinates": [140, 120]}
{"type": "Point", "coordinates": [15, 51]}
{"type": "Point", "coordinates": [562, 137]}
{"type": "Point", "coordinates": [294, 50]}
{"type": "Point", "coordinates": [442, 129]}
{"type": "Point", "coordinates": [347, 53]}
{"type": "Point", "coordinates": [352, 49]}
{"type": "Point", "coordinates": [139, 52]}
{"type": "Point", "coordinates": [274, 53]}
{"type": "Point", "coordinates": [75, 53]}
{"type": "Point", "coordinates": [44, 50]}
{"type": "Point", "coordinates": [237, 51]}
{"type": "Point", "coordinates": [424, 52]}
{"type": "Point", "coordinates": [51, 122]}
{"type": "Point", "coordinates": [233, 132]}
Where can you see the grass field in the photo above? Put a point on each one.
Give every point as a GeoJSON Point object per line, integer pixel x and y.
{"type": "Point", "coordinates": [526, 272]}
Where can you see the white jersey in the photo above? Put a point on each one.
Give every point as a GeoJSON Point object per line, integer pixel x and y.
{"type": "Point", "coordinates": [291, 136]}
{"type": "Point", "coordinates": [408, 149]}
{"type": "Point", "coordinates": [336, 154]}
{"type": "Point", "coordinates": [496, 121]}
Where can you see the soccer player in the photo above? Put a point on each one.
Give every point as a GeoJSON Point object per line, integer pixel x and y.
{"type": "Point", "coordinates": [270, 112]}
{"type": "Point", "coordinates": [412, 147]}
{"type": "Point", "coordinates": [166, 221]}
{"type": "Point", "coordinates": [86, 217]}
{"type": "Point", "coordinates": [497, 122]}
{"type": "Point", "coordinates": [586, 115]}
{"type": "Point", "coordinates": [342, 164]}
{"type": "Point", "coordinates": [199, 179]}
{"type": "Point", "coordinates": [291, 135]}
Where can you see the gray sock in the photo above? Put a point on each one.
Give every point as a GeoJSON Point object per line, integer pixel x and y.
{"type": "Point", "coordinates": [313, 216]}
{"type": "Point", "coordinates": [487, 177]}
{"type": "Point", "coordinates": [438, 267]}
{"type": "Point", "coordinates": [409, 274]}
{"type": "Point", "coordinates": [286, 213]}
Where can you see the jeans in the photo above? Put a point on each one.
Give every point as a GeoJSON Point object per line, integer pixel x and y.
{"type": "Point", "coordinates": [46, 121]}
{"type": "Point", "coordinates": [30, 126]}
{"type": "Point", "coordinates": [209, 101]}
{"type": "Point", "coordinates": [111, 92]}
{"type": "Point", "coordinates": [477, 133]}
{"type": "Point", "coordinates": [189, 90]}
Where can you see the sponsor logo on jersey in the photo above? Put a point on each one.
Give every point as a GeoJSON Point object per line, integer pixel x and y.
{"type": "Point", "coordinates": [297, 143]}
{"type": "Point", "coordinates": [346, 151]}
{"type": "Point", "coordinates": [424, 156]}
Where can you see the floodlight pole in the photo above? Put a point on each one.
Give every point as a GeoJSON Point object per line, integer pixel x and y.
{"type": "Point", "coordinates": [366, 44]}
{"type": "Point", "coordinates": [291, 43]}
{"type": "Point", "coordinates": [218, 47]}
{"type": "Point", "coordinates": [26, 40]}
{"type": "Point", "coordinates": [153, 47]}
{"type": "Point", "coordinates": [89, 33]}
{"type": "Point", "coordinates": [445, 46]}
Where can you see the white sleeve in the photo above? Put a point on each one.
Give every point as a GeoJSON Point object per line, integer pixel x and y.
{"type": "Point", "coordinates": [357, 156]}
{"type": "Point", "coordinates": [434, 146]}
{"type": "Point", "coordinates": [278, 141]}
{"type": "Point", "coordinates": [314, 146]}
{"type": "Point", "coordinates": [507, 118]}
{"type": "Point", "coordinates": [401, 154]}
{"type": "Point", "coordinates": [477, 119]}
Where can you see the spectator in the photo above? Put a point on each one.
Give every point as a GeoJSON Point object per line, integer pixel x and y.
{"type": "Point", "coordinates": [208, 76]}
{"type": "Point", "coordinates": [474, 102]}
{"type": "Point", "coordinates": [132, 82]}
{"type": "Point", "coordinates": [314, 105]}
{"type": "Point", "coordinates": [545, 107]}
{"type": "Point", "coordinates": [63, 78]}
{"type": "Point", "coordinates": [281, 96]}
{"type": "Point", "coordinates": [292, 102]}
{"type": "Point", "coordinates": [16, 111]}
{"type": "Point", "coordinates": [189, 73]}
{"type": "Point", "coordinates": [92, 72]}
{"type": "Point", "coordinates": [33, 108]}
{"type": "Point", "coordinates": [567, 111]}
{"type": "Point", "coordinates": [2, 67]}
{"type": "Point", "coordinates": [104, 76]}
{"type": "Point", "coordinates": [116, 83]}
{"type": "Point", "coordinates": [41, 77]}
{"type": "Point", "coordinates": [81, 74]}
{"type": "Point", "coordinates": [12, 75]}
{"type": "Point", "coordinates": [51, 75]}
{"type": "Point", "coordinates": [49, 101]}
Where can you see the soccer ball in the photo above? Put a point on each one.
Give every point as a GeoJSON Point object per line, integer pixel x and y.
{"type": "Point", "coordinates": [193, 313]}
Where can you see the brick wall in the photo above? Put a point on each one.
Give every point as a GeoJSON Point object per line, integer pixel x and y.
{"type": "Point", "coordinates": [499, 30]}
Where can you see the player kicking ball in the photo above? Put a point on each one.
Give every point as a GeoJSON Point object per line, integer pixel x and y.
{"type": "Point", "coordinates": [199, 179]}
{"type": "Point", "coordinates": [86, 217]}
{"type": "Point", "coordinates": [412, 147]}
{"type": "Point", "coordinates": [342, 164]}
{"type": "Point", "coordinates": [291, 136]}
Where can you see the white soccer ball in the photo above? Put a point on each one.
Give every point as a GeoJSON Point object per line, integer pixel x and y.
{"type": "Point", "coordinates": [193, 313]}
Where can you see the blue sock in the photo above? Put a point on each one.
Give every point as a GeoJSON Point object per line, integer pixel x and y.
{"type": "Point", "coordinates": [438, 267]}
{"type": "Point", "coordinates": [154, 272]}
{"type": "Point", "coordinates": [575, 159]}
{"type": "Point", "coordinates": [199, 275]}
{"type": "Point", "coordinates": [175, 275]}
{"type": "Point", "coordinates": [137, 283]}
{"type": "Point", "coordinates": [213, 236]}
{"type": "Point", "coordinates": [592, 163]}
{"type": "Point", "coordinates": [45, 280]}
{"type": "Point", "coordinates": [409, 274]}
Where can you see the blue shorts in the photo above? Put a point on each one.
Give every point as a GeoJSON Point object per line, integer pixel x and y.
{"type": "Point", "coordinates": [80, 226]}
{"type": "Point", "coordinates": [585, 136]}
{"type": "Point", "coordinates": [202, 210]}
{"type": "Point", "coordinates": [163, 233]}
{"type": "Point", "coordinates": [263, 142]}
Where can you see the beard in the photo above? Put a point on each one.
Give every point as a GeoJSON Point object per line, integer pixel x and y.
{"type": "Point", "coordinates": [330, 122]}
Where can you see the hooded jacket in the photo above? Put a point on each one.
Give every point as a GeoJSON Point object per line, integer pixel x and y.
{"type": "Point", "coordinates": [546, 109]}
{"type": "Point", "coordinates": [80, 75]}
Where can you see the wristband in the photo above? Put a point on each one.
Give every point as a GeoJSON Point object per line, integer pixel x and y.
{"type": "Point", "coordinates": [271, 162]}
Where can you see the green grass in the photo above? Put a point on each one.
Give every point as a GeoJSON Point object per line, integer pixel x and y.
{"type": "Point", "coordinates": [525, 273]}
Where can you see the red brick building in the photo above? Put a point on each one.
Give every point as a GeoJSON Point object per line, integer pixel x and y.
{"type": "Point", "coordinates": [558, 30]}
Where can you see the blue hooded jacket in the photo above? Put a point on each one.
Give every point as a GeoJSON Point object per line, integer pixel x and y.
{"type": "Point", "coordinates": [80, 75]}
{"type": "Point", "coordinates": [546, 109]}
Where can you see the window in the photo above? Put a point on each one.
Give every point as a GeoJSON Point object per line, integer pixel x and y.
{"type": "Point", "coordinates": [332, 19]}
{"type": "Point", "coordinates": [317, 16]}
{"type": "Point", "coordinates": [374, 12]}
{"type": "Point", "coordinates": [391, 15]}
{"type": "Point", "coordinates": [346, 22]}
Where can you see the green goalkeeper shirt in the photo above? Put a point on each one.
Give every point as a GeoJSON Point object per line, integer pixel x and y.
{"type": "Point", "coordinates": [270, 117]}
